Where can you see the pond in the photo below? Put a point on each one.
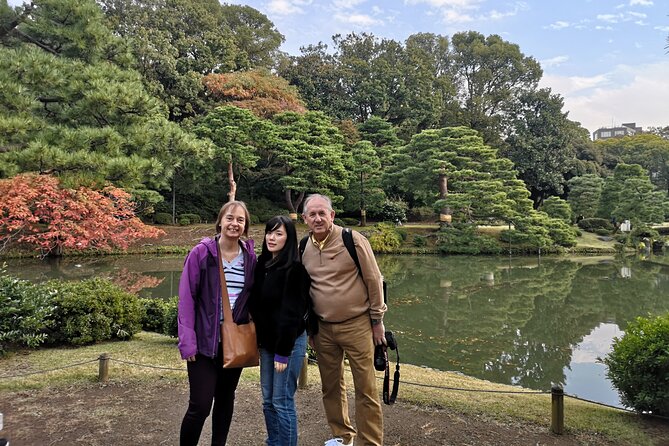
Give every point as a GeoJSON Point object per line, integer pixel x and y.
{"type": "Point", "coordinates": [524, 321]}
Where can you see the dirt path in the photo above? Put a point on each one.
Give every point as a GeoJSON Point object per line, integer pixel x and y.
{"type": "Point", "coordinates": [150, 414]}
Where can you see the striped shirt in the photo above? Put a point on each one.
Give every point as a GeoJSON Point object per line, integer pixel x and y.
{"type": "Point", "coordinates": [234, 278]}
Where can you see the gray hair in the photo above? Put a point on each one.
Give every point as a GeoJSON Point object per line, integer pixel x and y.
{"type": "Point", "coordinates": [311, 197]}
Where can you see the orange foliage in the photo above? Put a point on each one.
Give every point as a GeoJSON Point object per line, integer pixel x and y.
{"type": "Point", "coordinates": [37, 211]}
{"type": "Point", "coordinates": [133, 282]}
{"type": "Point", "coordinates": [263, 94]}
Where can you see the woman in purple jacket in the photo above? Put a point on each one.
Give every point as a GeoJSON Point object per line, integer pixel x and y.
{"type": "Point", "coordinates": [199, 320]}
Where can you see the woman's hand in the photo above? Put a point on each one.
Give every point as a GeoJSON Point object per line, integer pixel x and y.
{"type": "Point", "coordinates": [279, 366]}
{"type": "Point", "coordinates": [191, 358]}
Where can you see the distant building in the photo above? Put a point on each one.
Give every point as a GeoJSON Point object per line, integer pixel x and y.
{"type": "Point", "coordinates": [627, 129]}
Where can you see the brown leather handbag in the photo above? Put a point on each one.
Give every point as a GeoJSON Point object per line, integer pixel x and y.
{"type": "Point", "coordinates": [240, 345]}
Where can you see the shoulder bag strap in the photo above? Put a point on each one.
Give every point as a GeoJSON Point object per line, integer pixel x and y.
{"type": "Point", "coordinates": [225, 299]}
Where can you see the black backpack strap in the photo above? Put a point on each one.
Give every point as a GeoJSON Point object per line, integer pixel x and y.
{"type": "Point", "coordinates": [303, 245]}
{"type": "Point", "coordinates": [347, 236]}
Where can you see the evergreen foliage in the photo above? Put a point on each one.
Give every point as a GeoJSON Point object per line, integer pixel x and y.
{"type": "Point", "coordinates": [637, 366]}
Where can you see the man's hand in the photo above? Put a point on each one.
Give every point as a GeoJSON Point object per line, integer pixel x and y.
{"type": "Point", "coordinates": [311, 343]}
{"type": "Point", "coordinates": [379, 334]}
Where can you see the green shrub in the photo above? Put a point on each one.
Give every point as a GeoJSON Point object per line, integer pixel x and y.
{"type": "Point", "coordinates": [463, 239]}
{"type": "Point", "coordinates": [162, 218]}
{"type": "Point", "coordinates": [558, 208]}
{"type": "Point", "coordinates": [338, 221]}
{"type": "Point", "coordinates": [350, 221]}
{"type": "Point", "coordinates": [93, 310]}
{"type": "Point", "coordinates": [25, 314]}
{"type": "Point", "coordinates": [153, 314]}
{"type": "Point", "coordinates": [638, 366]}
{"type": "Point", "coordinates": [420, 241]}
{"type": "Point", "coordinates": [602, 231]}
{"type": "Point", "coordinates": [170, 324]}
{"type": "Point", "coordinates": [183, 221]}
{"type": "Point", "coordinates": [642, 231]}
{"type": "Point", "coordinates": [393, 210]}
{"type": "Point", "coordinates": [591, 224]}
{"type": "Point", "coordinates": [192, 218]}
{"type": "Point", "coordinates": [385, 239]}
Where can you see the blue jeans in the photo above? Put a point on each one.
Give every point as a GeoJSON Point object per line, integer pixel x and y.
{"type": "Point", "coordinates": [278, 392]}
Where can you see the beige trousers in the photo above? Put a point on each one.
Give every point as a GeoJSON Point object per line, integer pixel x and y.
{"type": "Point", "coordinates": [355, 338]}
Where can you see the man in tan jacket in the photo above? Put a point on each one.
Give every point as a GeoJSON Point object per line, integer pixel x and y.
{"type": "Point", "coordinates": [350, 310]}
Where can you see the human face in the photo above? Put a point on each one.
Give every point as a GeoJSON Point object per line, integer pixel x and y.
{"type": "Point", "coordinates": [319, 218]}
{"type": "Point", "coordinates": [276, 240]}
{"type": "Point", "coordinates": [233, 223]}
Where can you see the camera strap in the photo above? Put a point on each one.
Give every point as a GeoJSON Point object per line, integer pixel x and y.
{"type": "Point", "coordinates": [389, 398]}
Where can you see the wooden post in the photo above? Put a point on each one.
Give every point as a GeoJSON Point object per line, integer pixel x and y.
{"type": "Point", "coordinates": [103, 373]}
{"type": "Point", "coordinates": [557, 406]}
{"type": "Point", "coordinates": [302, 381]}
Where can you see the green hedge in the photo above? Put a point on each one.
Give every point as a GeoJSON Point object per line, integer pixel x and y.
{"type": "Point", "coordinates": [26, 314]}
{"type": "Point", "coordinates": [93, 310]}
{"type": "Point", "coordinates": [592, 224]}
{"type": "Point", "coordinates": [65, 313]}
{"type": "Point", "coordinates": [160, 315]}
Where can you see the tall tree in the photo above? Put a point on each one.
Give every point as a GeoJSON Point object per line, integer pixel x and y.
{"type": "Point", "coordinates": [176, 42]}
{"type": "Point", "coordinates": [310, 153]}
{"type": "Point", "coordinates": [317, 76]}
{"type": "Point", "coordinates": [584, 194]}
{"type": "Point", "coordinates": [366, 164]}
{"type": "Point", "coordinates": [648, 150]}
{"type": "Point", "coordinates": [263, 93]}
{"type": "Point", "coordinates": [491, 74]}
{"type": "Point", "coordinates": [453, 170]}
{"type": "Point", "coordinates": [540, 145]}
{"type": "Point", "coordinates": [69, 110]}
{"type": "Point", "coordinates": [429, 99]}
{"type": "Point", "coordinates": [383, 137]}
{"type": "Point", "coordinates": [255, 36]}
{"type": "Point", "coordinates": [238, 136]}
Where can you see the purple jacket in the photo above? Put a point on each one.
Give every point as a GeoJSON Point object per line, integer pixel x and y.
{"type": "Point", "coordinates": [200, 298]}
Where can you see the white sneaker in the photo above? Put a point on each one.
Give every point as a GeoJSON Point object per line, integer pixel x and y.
{"type": "Point", "coordinates": [337, 442]}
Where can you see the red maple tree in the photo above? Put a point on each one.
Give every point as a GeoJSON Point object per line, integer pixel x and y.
{"type": "Point", "coordinates": [36, 210]}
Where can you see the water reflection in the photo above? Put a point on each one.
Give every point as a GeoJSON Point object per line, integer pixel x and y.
{"type": "Point", "coordinates": [516, 321]}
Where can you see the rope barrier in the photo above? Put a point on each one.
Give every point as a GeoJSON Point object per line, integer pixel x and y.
{"type": "Point", "coordinates": [19, 375]}
{"type": "Point", "coordinates": [312, 361]}
{"type": "Point", "coordinates": [148, 365]}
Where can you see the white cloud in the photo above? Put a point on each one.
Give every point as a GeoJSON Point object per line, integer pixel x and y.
{"type": "Point", "coordinates": [662, 28]}
{"type": "Point", "coordinates": [347, 4]}
{"type": "Point", "coordinates": [626, 94]}
{"type": "Point", "coordinates": [641, 2]}
{"type": "Point", "coordinates": [453, 16]}
{"type": "Point", "coordinates": [554, 61]}
{"type": "Point", "coordinates": [286, 7]}
{"type": "Point", "coordinates": [605, 28]}
{"type": "Point", "coordinates": [358, 19]}
{"type": "Point", "coordinates": [610, 18]}
{"type": "Point", "coordinates": [466, 4]}
{"type": "Point", "coordinates": [638, 15]}
{"type": "Point", "coordinates": [559, 25]}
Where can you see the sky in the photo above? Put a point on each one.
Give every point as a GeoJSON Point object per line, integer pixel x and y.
{"type": "Point", "coordinates": [606, 58]}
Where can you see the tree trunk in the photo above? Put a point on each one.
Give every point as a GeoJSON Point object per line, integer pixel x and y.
{"type": "Point", "coordinates": [289, 201]}
{"type": "Point", "coordinates": [174, 199]}
{"type": "Point", "coordinates": [233, 185]}
{"type": "Point", "coordinates": [445, 214]}
{"type": "Point", "coordinates": [363, 212]}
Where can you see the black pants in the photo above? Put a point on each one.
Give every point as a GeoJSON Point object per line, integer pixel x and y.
{"type": "Point", "coordinates": [209, 381]}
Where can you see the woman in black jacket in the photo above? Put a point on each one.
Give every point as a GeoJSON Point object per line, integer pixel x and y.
{"type": "Point", "coordinates": [279, 303]}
